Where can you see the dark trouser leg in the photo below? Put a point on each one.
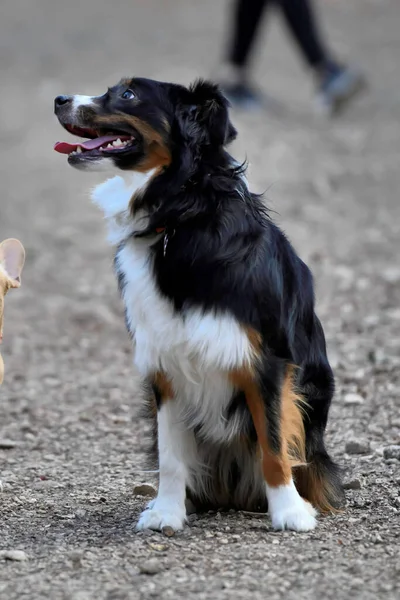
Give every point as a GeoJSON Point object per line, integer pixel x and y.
{"type": "Point", "coordinates": [246, 21]}
{"type": "Point", "coordinates": [302, 23]}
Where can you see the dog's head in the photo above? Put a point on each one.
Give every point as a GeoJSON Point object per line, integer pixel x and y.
{"type": "Point", "coordinates": [12, 258]}
{"type": "Point", "coordinates": [140, 124]}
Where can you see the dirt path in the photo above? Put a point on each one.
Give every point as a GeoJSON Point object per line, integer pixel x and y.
{"type": "Point", "coordinates": [69, 402]}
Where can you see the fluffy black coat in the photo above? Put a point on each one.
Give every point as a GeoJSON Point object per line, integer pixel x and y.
{"type": "Point", "coordinates": [224, 253]}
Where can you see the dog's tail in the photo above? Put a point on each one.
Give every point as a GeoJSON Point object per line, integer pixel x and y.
{"type": "Point", "coordinates": [319, 479]}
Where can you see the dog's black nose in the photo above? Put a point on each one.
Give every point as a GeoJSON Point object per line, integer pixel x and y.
{"type": "Point", "coordinates": [61, 100]}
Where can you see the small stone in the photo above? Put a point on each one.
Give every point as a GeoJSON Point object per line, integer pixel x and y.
{"type": "Point", "coordinates": [6, 444]}
{"type": "Point", "coordinates": [392, 452]}
{"type": "Point", "coordinates": [16, 555]}
{"type": "Point", "coordinates": [357, 447]}
{"type": "Point", "coordinates": [352, 484]}
{"type": "Point", "coordinates": [76, 559]}
{"type": "Point", "coordinates": [168, 531]}
{"type": "Point", "coordinates": [353, 399]}
{"type": "Point", "coordinates": [151, 567]}
{"type": "Point", "coordinates": [145, 489]}
{"type": "Point", "coordinates": [159, 547]}
{"type": "Point", "coordinates": [391, 274]}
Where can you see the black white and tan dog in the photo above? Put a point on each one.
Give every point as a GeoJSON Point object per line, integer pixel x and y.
{"type": "Point", "coordinates": [219, 307]}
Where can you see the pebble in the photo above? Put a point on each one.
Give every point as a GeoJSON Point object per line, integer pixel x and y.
{"type": "Point", "coordinates": [145, 489]}
{"type": "Point", "coordinates": [168, 531]}
{"type": "Point", "coordinates": [357, 447]}
{"type": "Point", "coordinates": [75, 558]}
{"type": "Point", "coordinates": [391, 274]}
{"type": "Point", "coordinates": [151, 567]}
{"type": "Point", "coordinates": [6, 444]}
{"type": "Point", "coordinates": [16, 555]}
{"type": "Point", "coordinates": [352, 484]}
{"type": "Point", "coordinates": [392, 452]}
{"type": "Point", "coordinates": [159, 547]}
{"type": "Point", "coordinates": [353, 399]}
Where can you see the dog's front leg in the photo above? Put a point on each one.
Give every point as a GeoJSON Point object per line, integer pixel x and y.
{"type": "Point", "coordinates": [175, 448]}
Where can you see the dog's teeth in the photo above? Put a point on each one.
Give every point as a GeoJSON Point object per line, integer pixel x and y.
{"type": "Point", "coordinates": [109, 146]}
{"type": "Point", "coordinates": [78, 150]}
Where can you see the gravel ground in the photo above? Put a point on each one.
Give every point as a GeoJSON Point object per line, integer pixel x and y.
{"type": "Point", "coordinates": [71, 440]}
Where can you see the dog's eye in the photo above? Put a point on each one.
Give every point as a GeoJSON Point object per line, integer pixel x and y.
{"type": "Point", "coordinates": [128, 95]}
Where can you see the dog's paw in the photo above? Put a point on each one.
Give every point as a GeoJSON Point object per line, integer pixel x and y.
{"type": "Point", "coordinates": [157, 517]}
{"type": "Point", "coordinates": [299, 517]}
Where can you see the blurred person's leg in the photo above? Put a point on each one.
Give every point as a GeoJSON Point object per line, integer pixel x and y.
{"type": "Point", "coordinates": [246, 20]}
{"type": "Point", "coordinates": [336, 84]}
{"type": "Point", "coordinates": [302, 24]}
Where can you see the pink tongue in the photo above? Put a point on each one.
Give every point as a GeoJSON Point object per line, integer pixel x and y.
{"type": "Point", "coordinates": [67, 148]}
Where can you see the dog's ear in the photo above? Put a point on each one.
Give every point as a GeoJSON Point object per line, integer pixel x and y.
{"type": "Point", "coordinates": [12, 259]}
{"type": "Point", "coordinates": [209, 108]}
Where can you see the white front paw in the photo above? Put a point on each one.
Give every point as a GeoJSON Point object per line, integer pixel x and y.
{"type": "Point", "coordinates": [159, 515]}
{"type": "Point", "coordinates": [299, 517]}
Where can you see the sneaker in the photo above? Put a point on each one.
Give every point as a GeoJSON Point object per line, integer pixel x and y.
{"type": "Point", "coordinates": [337, 88]}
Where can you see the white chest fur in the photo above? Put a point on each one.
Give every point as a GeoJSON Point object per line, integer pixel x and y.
{"type": "Point", "coordinates": [188, 343]}
{"type": "Point", "coordinates": [195, 349]}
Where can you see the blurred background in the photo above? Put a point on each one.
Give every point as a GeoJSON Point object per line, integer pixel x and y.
{"type": "Point", "coordinates": [68, 406]}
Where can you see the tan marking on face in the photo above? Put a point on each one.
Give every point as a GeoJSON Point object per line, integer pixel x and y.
{"type": "Point", "coordinates": [149, 135]}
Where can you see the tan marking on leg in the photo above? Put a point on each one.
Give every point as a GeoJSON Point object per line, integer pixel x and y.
{"type": "Point", "coordinates": [292, 425]}
{"type": "Point", "coordinates": [255, 340]}
{"type": "Point", "coordinates": [276, 467]}
{"type": "Point", "coordinates": [163, 383]}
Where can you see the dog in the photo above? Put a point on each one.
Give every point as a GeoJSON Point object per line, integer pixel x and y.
{"type": "Point", "coordinates": [12, 258]}
{"type": "Point", "coordinates": [219, 307]}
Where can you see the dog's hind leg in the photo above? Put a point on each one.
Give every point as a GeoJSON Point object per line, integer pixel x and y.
{"type": "Point", "coordinates": [276, 412]}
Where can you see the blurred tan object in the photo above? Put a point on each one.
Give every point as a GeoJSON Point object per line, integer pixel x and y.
{"type": "Point", "coordinates": [12, 258]}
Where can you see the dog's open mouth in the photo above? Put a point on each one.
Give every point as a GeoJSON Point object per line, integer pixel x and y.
{"type": "Point", "coordinates": [97, 144]}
